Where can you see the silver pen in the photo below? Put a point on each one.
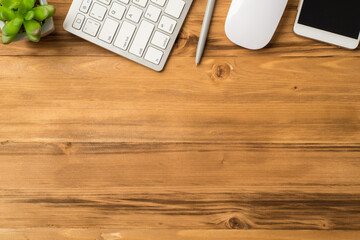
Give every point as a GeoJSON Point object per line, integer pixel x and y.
{"type": "Point", "coordinates": [204, 30]}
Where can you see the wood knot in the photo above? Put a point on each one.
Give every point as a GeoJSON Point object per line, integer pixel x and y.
{"type": "Point", "coordinates": [66, 148]}
{"type": "Point", "coordinates": [221, 71]}
{"type": "Point", "coordinates": [68, 145]}
{"type": "Point", "coordinates": [5, 142]}
{"type": "Point", "coordinates": [324, 225]}
{"type": "Point", "coordinates": [184, 39]}
{"type": "Point", "coordinates": [236, 223]}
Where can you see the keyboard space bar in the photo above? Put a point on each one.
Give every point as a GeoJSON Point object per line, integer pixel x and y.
{"type": "Point", "coordinates": [142, 38]}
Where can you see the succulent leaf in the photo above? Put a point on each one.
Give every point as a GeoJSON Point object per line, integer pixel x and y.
{"type": "Point", "coordinates": [33, 30]}
{"type": "Point", "coordinates": [29, 15]}
{"type": "Point", "coordinates": [12, 27]}
{"type": "Point", "coordinates": [5, 39]}
{"type": "Point", "coordinates": [10, 4]}
{"type": "Point", "coordinates": [6, 14]}
{"type": "Point", "coordinates": [29, 4]}
{"type": "Point", "coordinates": [43, 12]}
{"type": "Point", "coordinates": [10, 30]}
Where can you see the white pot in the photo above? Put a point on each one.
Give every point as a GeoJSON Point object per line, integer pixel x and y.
{"type": "Point", "coordinates": [47, 28]}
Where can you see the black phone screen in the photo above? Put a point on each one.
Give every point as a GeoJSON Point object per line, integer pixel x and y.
{"type": "Point", "coordinates": [337, 16]}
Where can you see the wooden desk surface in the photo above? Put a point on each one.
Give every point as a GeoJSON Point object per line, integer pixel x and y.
{"type": "Point", "coordinates": [94, 146]}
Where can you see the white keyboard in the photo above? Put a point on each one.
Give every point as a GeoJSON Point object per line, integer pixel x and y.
{"type": "Point", "coordinates": [141, 30]}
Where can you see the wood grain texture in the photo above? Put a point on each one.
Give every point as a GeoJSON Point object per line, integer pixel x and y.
{"type": "Point", "coordinates": [93, 146]}
{"type": "Point", "coordinates": [67, 89]}
{"type": "Point", "coordinates": [207, 186]}
{"type": "Point", "coordinates": [116, 234]}
{"type": "Point", "coordinates": [258, 100]}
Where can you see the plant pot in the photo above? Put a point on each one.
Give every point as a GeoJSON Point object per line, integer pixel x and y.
{"type": "Point", "coordinates": [47, 28]}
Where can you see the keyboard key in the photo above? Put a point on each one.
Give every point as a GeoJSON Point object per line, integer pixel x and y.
{"type": "Point", "coordinates": [174, 8]}
{"type": "Point", "coordinates": [78, 21]}
{"type": "Point", "coordinates": [167, 24]}
{"type": "Point", "coordinates": [107, 2]}
{"type": "Point", "coordinates": [98, 11]}
{"type": "Point", "coordinates": [153, 13]}
{"type": "Point", "coordinates": [125, 35]}
{"type": "Point", "coordinates": [85, 5]}
{"type": "Point", "coordinates": [125, 1]}
{"type": "Point", "coordinates": [117, 11]}
{"type": "Point", "coordinates": [142, 38]}
{"type": "Point", "coordinates": [134, 14]}
{"type": "Point", "coordinates": [141, 3]}
{"type": "Point", "coordinates": [108, 30]}
{"type": "Point", "coordinates": [159, 2]}
{"type": "Point", "coordinates": [153, 55]}
{"type": "Point", "coordinates": [160, 40]}
{"type": "Point", "coordinates": [91, 27]}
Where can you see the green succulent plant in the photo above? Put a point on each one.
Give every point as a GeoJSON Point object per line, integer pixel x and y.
{"type": "Point", "coordinates": [16, 13]}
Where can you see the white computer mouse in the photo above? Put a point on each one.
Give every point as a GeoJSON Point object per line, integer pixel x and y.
{"type": "Point", "coordinates": [252, 23]}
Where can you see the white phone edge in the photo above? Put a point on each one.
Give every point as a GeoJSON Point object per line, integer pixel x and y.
{"type": "Point", "coordinates": [323, 36]}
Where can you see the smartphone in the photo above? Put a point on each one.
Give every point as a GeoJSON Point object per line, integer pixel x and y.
{"type": "Point", "coordinates": [333, 21]}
